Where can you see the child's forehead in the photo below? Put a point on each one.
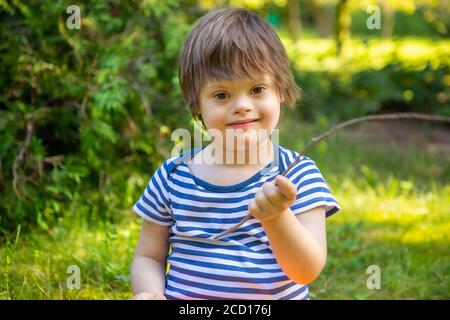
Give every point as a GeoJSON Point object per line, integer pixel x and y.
{"type": "Point", "coordinates": [262, 77]}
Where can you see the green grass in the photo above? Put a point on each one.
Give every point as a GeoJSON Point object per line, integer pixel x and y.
{"type": "Point", "coordinates": [395, 214]}
{"type": "Point", "coordinates": [35, 266]}
{"type": "Point", "coordinates": [404, 232]}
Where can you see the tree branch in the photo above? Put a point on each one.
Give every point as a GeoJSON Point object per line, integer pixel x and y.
{"type": "Point", "coordinates": [21, 156]}
{"type": "Point", "coordinates": [20, 159]}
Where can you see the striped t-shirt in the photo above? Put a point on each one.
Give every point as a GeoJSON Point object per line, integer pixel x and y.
{"type": "Point", "coordinates": [240, 265]}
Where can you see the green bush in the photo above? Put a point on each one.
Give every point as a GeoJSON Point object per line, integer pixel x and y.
{"type": "Point", "coordinates": [81, 111]}
{"type": "Point", "coordinates": [374, 91]}
{"type": "Point", "coordinates": [375, 76]}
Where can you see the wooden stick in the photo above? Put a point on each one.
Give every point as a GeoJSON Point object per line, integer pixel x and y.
{"type": "Point", "coordinates": [392, 116]}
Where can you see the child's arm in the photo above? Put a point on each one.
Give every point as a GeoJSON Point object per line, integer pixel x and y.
{"type": "Point", "coordinates": [298, 242]}
{"type": "Point", "coordinates": [149, 263]}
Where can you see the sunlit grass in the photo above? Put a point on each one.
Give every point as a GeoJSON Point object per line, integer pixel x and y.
{"type": "Point", "coordinates": [35, 267]}
{"type": "Point", "coordinates": [411, 254]}
{"type": "Point", "coordinates": [406, 235]}
{"type": "Point", "coordinates": [412, 217]}
{"type": "Point", "coordinates": [395, 214]}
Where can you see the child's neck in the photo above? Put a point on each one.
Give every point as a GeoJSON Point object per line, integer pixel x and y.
{"type": "Point", "coordinates": [258, 155]}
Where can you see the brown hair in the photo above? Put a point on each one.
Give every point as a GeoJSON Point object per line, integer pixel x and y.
{"type": "Point", "coordinates": [229, 43]}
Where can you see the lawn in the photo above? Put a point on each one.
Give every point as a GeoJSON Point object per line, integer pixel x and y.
{"type": "Point", "coordinates": [392, 183]}
{"type": "Point", "coordinates": [395, 200]}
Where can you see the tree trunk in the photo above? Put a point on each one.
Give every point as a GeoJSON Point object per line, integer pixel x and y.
{"type": "Point", "coordinates": [388, 19]}
{"type": "Point", "coordinates": [343, 24]}
{"type": "Point", "coordinates": [295, 24]}
{"type": "Point", "coordinates": [320, 19]}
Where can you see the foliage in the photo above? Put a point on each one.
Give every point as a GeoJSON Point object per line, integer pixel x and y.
{"type": "Point", "coordinates": [372, 76]}
{"type": "Point", "coordinates": [96, 104]}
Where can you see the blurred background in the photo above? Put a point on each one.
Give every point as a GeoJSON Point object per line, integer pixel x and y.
{"type": "Point", "coordinates": [87, 112]}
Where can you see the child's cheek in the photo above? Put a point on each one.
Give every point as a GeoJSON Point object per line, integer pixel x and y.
{"type": "Point", "coordinates": [271, 116]}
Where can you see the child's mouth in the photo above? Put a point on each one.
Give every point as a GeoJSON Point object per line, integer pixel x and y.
{"type": "Point", "coordinates": [242, 124]}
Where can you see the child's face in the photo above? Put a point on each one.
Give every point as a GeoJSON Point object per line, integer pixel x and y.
{"type": "Point", "coordinates": [223, 104]}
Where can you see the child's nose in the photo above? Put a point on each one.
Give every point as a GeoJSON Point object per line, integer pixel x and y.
{"type": "Point", "coordinates": [242, 105]}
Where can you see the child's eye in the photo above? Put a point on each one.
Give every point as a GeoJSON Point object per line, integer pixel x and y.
{"type": "Point", "coordinates": [220, 96]}
{"type": "Point", "coordinates": [258, 90]}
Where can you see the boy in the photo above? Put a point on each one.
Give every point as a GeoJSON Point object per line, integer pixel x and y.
{"type": "Point", "coordinates": [234, 75]}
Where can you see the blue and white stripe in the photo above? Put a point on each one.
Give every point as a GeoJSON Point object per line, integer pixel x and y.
{"type": "Point", "coordinates": [240, 265]}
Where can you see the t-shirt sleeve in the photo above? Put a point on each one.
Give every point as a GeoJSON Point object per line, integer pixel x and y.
{"type": "Point", "coordinates": [154, 203]}
{"type": "Point", "coordinates": [312, 189]}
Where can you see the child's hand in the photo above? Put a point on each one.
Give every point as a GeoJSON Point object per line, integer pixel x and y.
{"type": "Point", "coordinates": [149, 296]}
{"type": "Point", "coordinates": [272, 199]}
